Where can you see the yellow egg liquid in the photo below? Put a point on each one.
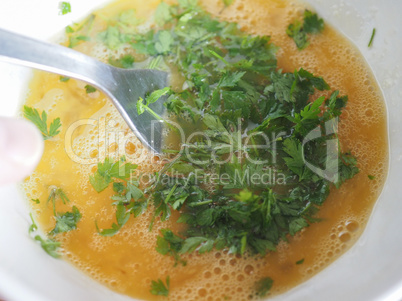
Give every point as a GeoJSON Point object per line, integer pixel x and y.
{"type": "Point", "coordinates": [128, 261]}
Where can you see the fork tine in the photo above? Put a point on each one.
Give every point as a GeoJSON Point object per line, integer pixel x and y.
{"type": "Point", "coordinates": [133, 84]}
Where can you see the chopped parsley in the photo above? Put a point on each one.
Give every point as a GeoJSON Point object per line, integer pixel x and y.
{"type": "Point", "coordinates": [50, 246]}
{"type": "Point", "coordinates": [159, 288]}
{"type": "Point", "coordinates": [33, 227]}
{"type": "Point", "coordinates": [66, 221]}
{"type": "Point", "coordinates": [264, 286]}
{"type": "Point", "coordinates": [254, 122]}
{"type": "Point", "coordinates": [36, 201]}
{"type": "Point", "coordinates": [170, 244]}
{"type": "Point", "coordinates": [89, 89]}
{"type": "Point", "coordinates": [107, 171]}
{"type": "Point", "coordinates": [301, 261]}
{"type": "Point", "coordinates": [312, 24]}
{"type": "Point", "coordinates": [143, 106]}
{"type": "Point", "coordinates": [126, 62]}
{"type": "Point", "coordinates": [372, 38]}
{"type": "Point", "coordinates": [80, 32]}
{"type": "Point", "coordinates": [228, 2]}
{"type": "Point", "coordinates": [55, 194]}
{"type": "Point", "coordinates": [232, 78]}
{"type": "Point", "coordinates": [65, 8]}
{"type": "Point", "coordinates": [121, 30]}
{"type": "Point", "coordinates": [64, 79]}
{"type": "Point", "coordinates": [122, 217]}
{"type": "Point", "coordinates": [40, 120]}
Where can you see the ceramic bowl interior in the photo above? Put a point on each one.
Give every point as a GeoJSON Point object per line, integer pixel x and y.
{"type": "Point", "coordinates": [370, 270]}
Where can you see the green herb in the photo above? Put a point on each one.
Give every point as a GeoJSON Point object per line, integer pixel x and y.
{"type": "Point", "coordinates": [36, 201]}
{"type": "Point", "coordinates": [89, 89]}
{"type": "Point", "coordinates": [65, 8]}
{"type": "Point", "coordinates": [40, 120]}
{"type": "Point", "coordinates": [120, 30]}
{"type": "Point", "coordinates": [158, 288]}
{"type": "Point", "coordinates": [372, 38]}
{"type": "Point", "coordinates": [66, 222]}
{"type": "Point", "coordinates": [143, 106]}
{"type": "Point", "coordinates": [264, 286]}
{"type": "Point", "coordinates": [371, 177]}
{"type": "Point", "coordinates": [170, 244]}
{"type": "Point", "coordinates": [128, 198]}
{"type": "Point", "coordinates": [312, 24]}
{"type": "Point", "coordinates": [122, 217]}
{"type": "Point", "coordinates": [234, 95]}
{"type": "Point", "coordinates": [298, 31]}
{"type": "Point", "coordinates": [69, 29]}
{"type": "Point", "coordinates": [33, 227]}
{"type": "Point", "coordinates": [77, 39]}
{"type": "Point", "coordinates": [295, 31]}
{"type": "Point", "coordinates": [64, 79]}
{"type": "Point", "coordinates": [111, 37]}
{"type": "Point", "coordinates": [50, 246]}
{"type": "Point", "coordinates": [78, 33]}
{"type": "Point", "coordinates": [126, 62]}
{"type": "Point", "coordinates": [163, 14]}
{"type": "Point", "coordinates": [228, 2]}
{"type": "Point", "coordinates": [57, 193]}
{"type": "Point", "coordinates": [108, 170]}
{"type": "Point", "coordinates": [301, 261]}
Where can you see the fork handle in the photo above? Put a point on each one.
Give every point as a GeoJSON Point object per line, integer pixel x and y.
{"type": "Point", "coordinates": [28, 52]}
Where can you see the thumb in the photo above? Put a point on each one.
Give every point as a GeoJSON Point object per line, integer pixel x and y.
{"type": "Point", "coordinates": [21, 147]}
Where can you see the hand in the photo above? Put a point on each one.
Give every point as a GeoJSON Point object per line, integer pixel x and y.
{"type": "Point", "coordinates": [21, 147]}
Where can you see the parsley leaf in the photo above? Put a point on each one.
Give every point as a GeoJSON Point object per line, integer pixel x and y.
{"type": "Point", "coordinates": [40, 120]}
{"type": "Point", "coordinates": [33, 227]}
{"type": "Point", "coordinates": [301, 261]}
{"type": "Point", "coordinates": [163, 14]}
{"type": "Point", "coordinates": [170, 244]}
{"type": "Point", "coordinates": [158, 288]}
{"type": "Point", "coordinates": [295, 31]}
{"type": "Point", "coordinates": [111, 37]}
{"type": "Point", "coordinates": [36, 201]}
{"type": "Point", "coordinates": [89, 89]}
{"type": "Point", "coordinates": [372, 38]}
{"type": "Point", "coordinates": [231, 82]}
{"type": "Point", "coordinates": [67, 221]}
{"type": "Point", "coordinates": [64, 79]}
{"type": "Point", "coordinates": [296, 161]}
{"type": "Point", "coordinates": [164, 42]}
{"type": "Point", "coordinates": [228, 2]}
{"type": "Point", "coordinates": [122, 216]}
{"type": "Point", "coordinates": [263, 286]}
{"type": "Point", "coordinates": [126, 62]}
{"type": "Point", "coordinates": [65, 8]}
{"type": "Point", "coordinates": [312, 24]}
{"type": "Point", "coordinates": [108, 170]}
{"type": "Point", "coordinates": [143, 106]}
{"type": "Point", "coordinates": [50, 246]}
{"type": "Point", "coordinates": [57, 193]}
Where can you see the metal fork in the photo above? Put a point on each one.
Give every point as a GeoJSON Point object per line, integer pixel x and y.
{"type": "Point", "coordinates": [122, 86]}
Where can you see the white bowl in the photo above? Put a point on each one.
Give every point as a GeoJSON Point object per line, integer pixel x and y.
{"type": "Point", "coordinates": [370, 270]}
